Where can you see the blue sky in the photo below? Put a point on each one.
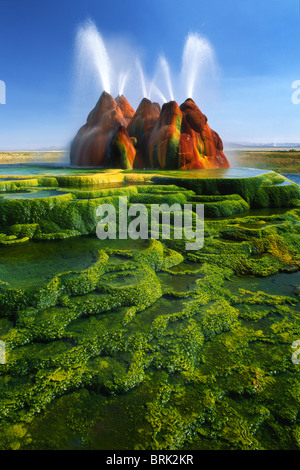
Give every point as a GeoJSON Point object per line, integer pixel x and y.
{"type": "Point", "coordinates": [256, 45]}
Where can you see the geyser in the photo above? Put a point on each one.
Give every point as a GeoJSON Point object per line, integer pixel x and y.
{"type": "Point", "coordinates": [165, 66]}
{"type": "Point", "coordinates": [171, 137]}
{"type": "Point", "coordinates": [198, 56]}
{"type": "Point", "coordinates": [92, 55]}
{"type": "Point", "coordinates": [123, 77]}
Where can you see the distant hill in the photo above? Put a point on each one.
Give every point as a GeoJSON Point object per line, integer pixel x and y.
{"type": "Point", "coordinates": [285, 145]}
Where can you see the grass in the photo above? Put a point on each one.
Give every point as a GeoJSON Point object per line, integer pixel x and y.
{"type": "Point", "coordinates": [281, 161]}
{"type": "Point", "coordinates": [57, 156]}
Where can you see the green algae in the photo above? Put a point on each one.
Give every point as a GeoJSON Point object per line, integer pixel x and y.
{"type": "Point", "coordinates": [73, 213]}
{"type": "Point", "coordinates": [257, 191]}
{"type": "Point", "coordinates": [139, 344]}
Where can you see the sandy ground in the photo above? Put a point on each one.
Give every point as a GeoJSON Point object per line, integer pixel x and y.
{"type": "Point", "coordinates": [58, 156]}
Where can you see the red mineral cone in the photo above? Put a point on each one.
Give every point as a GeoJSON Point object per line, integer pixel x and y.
{"type": "Point", "coordinates": [126, 109]}
{"type": "Point", "coordinates": [163, 144]}
{"type": "Point", "coordinates": [121, 150]}
{"type": "Point", "coordinates": [141, 127]}
{"type": "Point", "coordinates": [200, 146]}
{"type": "Point", "coordinates": [173, 137]}
{"type": "Point", "coordinates": [90, 146]}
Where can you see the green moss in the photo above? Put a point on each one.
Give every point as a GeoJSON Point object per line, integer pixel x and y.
{"type": "Point", "coordinates": [98, 193]}
{"type": "Point", "coordinates": [78, 283]}
{"type": "Point", "coordinates": [24, 230]}
{"type": "Point", "coordinates": [254, 190]}
{"type": "Point", "coordinates": [171, 258]}
{"type": "Point", "coordinates": [169, 349]}
{"type": "Point", "coordinates": [59, 235]}
{"type": "Point", "coordinates": [276, 195]}
{"type": "Point", "coordinates": [29, 211]}
{"type": "Point", "coordinates": [218, 317]}
{"type": "Point", "coordinates": [179, 349]}
{"type": "Point", "coordinates": [152, 256]}
{"type": "Point", "coordinates": [18, 185]}
{"type": "Point", "coordinates": [49, 182]}
{"type": "Point", "coordinates": [165, 198]}
{"type": "Point", "coordinates": [11, 239]}
{"type": "Point", "coordinates": [139, 287]}
{"type": "Point", "coordinates": [162, 188]}
{"type": "Point", "coordinates": [225, 208]}
{"type": "Point", "coordinates": [104, 177]}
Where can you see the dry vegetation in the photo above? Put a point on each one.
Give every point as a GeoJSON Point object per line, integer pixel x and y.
{"type": "Point", "coordinates": [7, 158]}
{"type": "Point", "coordinates": [282, 161]}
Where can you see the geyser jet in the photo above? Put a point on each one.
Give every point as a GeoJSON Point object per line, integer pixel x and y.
{"type": "Point", "coordinates": [165, 67]}
{"type": "Point", "coordinates": [198, 56]}
{"type": "Point", "coordinates": [123, 78]}
{"type": "Point", "coordinates": [111, 70]}
{"type": "Point", "coordinates": [142, 77]}
{"type": "Point", "coordinates": [92, 54]}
